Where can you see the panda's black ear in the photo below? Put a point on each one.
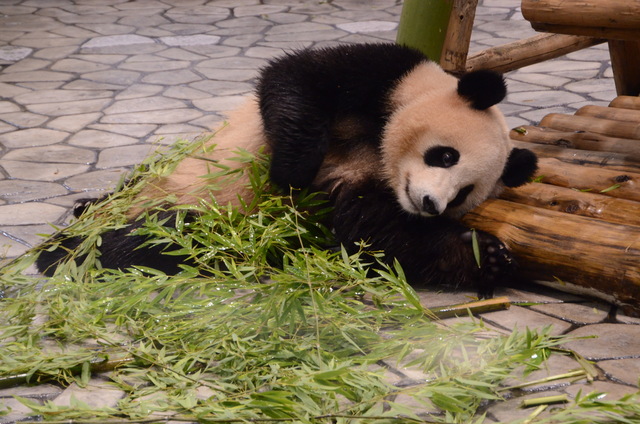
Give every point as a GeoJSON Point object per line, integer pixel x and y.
{"type": "Point", "coordinates": [482, 89]}
{"type": "Point", "coordinates": [520, 167]}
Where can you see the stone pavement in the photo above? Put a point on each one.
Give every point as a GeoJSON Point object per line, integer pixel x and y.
{"type": "Point", "coordinates": [90, 87]}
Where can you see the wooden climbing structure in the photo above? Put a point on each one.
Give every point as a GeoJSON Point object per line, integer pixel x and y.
{"type": "Point", "coordinates": [578, 226]}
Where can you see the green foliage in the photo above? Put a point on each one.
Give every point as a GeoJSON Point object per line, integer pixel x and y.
{"type": "Point", "coordinates": [268, 325]}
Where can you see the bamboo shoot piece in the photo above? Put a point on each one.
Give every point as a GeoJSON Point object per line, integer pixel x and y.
{"type": "Point", "coordinates": [575, 140]}
{"type": "Point", "coordinates": [552, 245]}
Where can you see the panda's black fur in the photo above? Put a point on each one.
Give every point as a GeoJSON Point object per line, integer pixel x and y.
{"type": "Point", "coordinates": [327, 120]}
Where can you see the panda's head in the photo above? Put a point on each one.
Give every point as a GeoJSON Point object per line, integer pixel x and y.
{"type": "Point", "coordinates": [446, 147]}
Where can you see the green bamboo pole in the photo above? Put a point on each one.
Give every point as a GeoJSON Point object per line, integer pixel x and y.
{"type": "Point", "coordinates": [423, 25]}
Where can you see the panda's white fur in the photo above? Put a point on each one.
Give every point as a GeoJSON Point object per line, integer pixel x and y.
{"type": "Point", "coordinates": [480, 135]}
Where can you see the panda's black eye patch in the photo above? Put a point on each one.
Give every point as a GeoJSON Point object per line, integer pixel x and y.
{"type": "Point", "coordinates": [441, 156]}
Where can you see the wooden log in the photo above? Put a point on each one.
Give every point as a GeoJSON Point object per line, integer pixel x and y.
{"type": "Point", "coordinates": [589, 204]}
{"type": "Point", "coordinates": [625, 61]}
{"type": "Point", "coordinates": [609, 160]}
{"type": "Point", "coordinates": [596, 180]}
{"type": "Point", "coordinates": [587, 31]}
{"type": "Point", "coordinates": [552, 245]}
{"type": "Point", "coordinates": [589, 13]}
{"type": "Point", "coordinates": [456, 42]}
{"type": "Point", "coordinates": [575, 140]}
{"type": "Point", "coordinates": [600, 126]}
{"type": "Point", "coordinates": [526, 52]}
{"type": "Point", "coordinates": [626, 102]}
{"type": "Point", "coordinates": [611, 113]}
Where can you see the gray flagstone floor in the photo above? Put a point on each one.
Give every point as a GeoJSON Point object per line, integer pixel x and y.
{"type": "Point", "coordinates": [88, 88]}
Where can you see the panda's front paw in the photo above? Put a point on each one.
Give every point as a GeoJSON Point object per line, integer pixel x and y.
{"type": "Point", "coordinates": [495, 263]}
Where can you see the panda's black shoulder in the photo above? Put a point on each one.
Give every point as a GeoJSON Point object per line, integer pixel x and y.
{"type": "Point", "coordinates": [347, 63]}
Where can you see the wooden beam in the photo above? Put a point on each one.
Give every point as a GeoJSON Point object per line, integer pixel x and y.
{"type": "Point", "coordinates": [526, 52]}
{"type": "Point", "coordinates": [625, 61]}
{"type": "Point", "coordinates": [456, 43]}
{"type": "Point", "coordinates": [585, 13]}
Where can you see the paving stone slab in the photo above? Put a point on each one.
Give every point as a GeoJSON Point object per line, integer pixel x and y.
{"type": "Point", "coordinates": [32, 137]}
{"type": "Point", "coordinates": [36, 76]}
{"type": "Point", "coordinates": [69, 108]}
{"type": "Point", "coordinates": [521, 318]}
{"type": "Point", "coordinates": [613, 341]}
{"type": "Point", "coordinates": [220, 103]}
{"type": "Point", "coordinates": [57, 96]}
{"type": "Point", "coordinates": [144, 104]}
{"type": "Point", "coordinates": [80, 66]}
{"type": "Point", "coordinates": [30, 213]}
{"type": "Point", "coordinates": [624, 370]}
{"type": "Point", "coordinates": [124, 156]}
{"type": "Point", "coordinates": [17, 191]}
{"type": "Point", "coordinates": [100, 139]}
{"type": "Point", "coordinates": [24, 119]}
{"type": "Point", "coordinates": [98, 394]}
{"type": "Point", "coordinates": [134, 130]}
{"type": "Point", "coordinates": [587, 313]}
{"type": "Point", "coordinates": [170, 116]}
{"type": "Point", "coordinates": [105, 180]}
{"type": "Point", "coordinates": [11, 90]}
{"type": "Point", "coordinates": [610, 391]}
{"type": "Point", "coordinates": [41, 171]}
{"type": "Point", "coordinates": [25, 65]}
{"type": "Point", "coordinates": [56, 153]}
{"type": "Point", "coordinates": [74, 123]}
{"type": "Point", "coordinates": [183, 76]}
{"type": "Point", "coordinates": [155, 66]}
{"type": "Point", "coordinates": [26, 237]}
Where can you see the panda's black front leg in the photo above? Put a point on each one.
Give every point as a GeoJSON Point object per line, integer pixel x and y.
{"type": "Point", "coordinates": [432, 251]}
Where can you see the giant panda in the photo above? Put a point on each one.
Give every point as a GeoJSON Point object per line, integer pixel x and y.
{"type": "Point", "coordinates": [401, 149]}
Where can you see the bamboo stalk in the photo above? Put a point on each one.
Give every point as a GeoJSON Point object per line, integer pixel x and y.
{"type": "Point", "coordinates": [423, 25]}
{"type": "Point", "coordinates": [589, 204]}
{"type": "Point", "coordinates": [479, 307]}
{"type": "Point", "coordinates": [526, 52]}
{"type": "Point", "coordinates": [96, 366]}
{"type": "Point", "coordinates": [576, 140]}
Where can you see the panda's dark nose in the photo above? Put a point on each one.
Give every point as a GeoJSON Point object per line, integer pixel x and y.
{"type": "Point", "coordinates": [428, 206]}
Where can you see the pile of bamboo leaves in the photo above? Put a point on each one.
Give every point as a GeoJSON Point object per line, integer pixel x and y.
{"type": "Point", "coordinates": [268, 326]}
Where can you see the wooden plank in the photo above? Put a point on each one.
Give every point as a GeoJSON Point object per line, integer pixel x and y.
{"type": "Point", "coordinates": [585, 123]}
{"type": "Point", "coordinates": [575, 140]}
{"type": "Point", "coordinates": [589, 204]}
{"type": "Point", "coordinates": [548, 245]}
{"type": "Point", "coordinates": [625, 61]}
{"type": "Point", "coordinates": [603, 160]}
{"type": "Point", "coordinates": [526, 52]}
{"type": "Point", "coordinates": [456, 42]}
{"type": "Point", "coordinates": [612, 113]}
{"type": "Point", "coordinates": [586, 13]}
{"type": "Point", "coordinates": [586, 31]}
{"type": "Point", "coordinates": [626, 102]}
{"type": "Point", "coordinates": [596, 180]}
